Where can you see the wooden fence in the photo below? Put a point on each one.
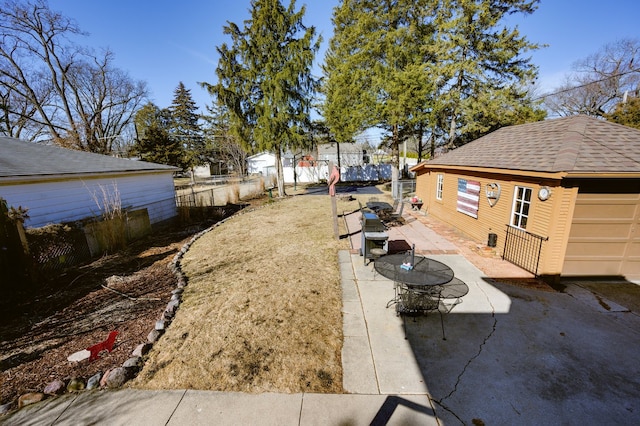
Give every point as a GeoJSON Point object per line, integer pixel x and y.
{"type": "Point", "coordinates": [14, 262]}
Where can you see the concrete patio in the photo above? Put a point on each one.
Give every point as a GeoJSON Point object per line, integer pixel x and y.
{"type": "Point", "coordinates": [513, 354]}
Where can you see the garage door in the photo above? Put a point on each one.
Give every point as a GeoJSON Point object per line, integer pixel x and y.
{"type": "Point", "coordinates": [604, 238]}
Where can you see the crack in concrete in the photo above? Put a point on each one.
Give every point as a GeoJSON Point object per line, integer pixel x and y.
{"type": "Point", "coordinates": [440, 401]}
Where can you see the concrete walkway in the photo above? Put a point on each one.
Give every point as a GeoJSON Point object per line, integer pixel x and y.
{"type": "Point", "coordinates": [512, 355]}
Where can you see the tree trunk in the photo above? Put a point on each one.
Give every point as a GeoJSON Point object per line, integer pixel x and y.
{"type": "Point", "coordinates": [395, 159]}
{"type": "Point", "coordinates": [280, 173]}
{"type": "Point", "coordinates": [454, 110]}
{"type": "Point", "coordinates": [419, 137]}
{"type": "Point", "coordinates": [432, 144]}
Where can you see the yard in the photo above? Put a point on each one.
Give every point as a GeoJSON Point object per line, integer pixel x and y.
{"type": "Point", "coordinates": [261, 311]}
{"type": "Point", "coordinates": [125, 291]}
{"type": "Point", "coordinates": [262, 308]}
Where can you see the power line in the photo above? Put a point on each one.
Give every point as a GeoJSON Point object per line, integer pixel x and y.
{"type": "Point", "coordinates": [586, 84]}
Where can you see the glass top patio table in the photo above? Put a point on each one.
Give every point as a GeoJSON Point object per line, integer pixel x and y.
{"type": "Point", "coordinates": [425, 271]}
{"type": "Point", "coordinates": [379, 206]}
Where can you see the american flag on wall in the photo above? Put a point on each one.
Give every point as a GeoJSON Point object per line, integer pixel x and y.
{"type": "Point", "coordinates": [468, 197]}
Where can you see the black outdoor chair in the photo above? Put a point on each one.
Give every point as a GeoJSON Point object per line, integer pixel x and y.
{"type": "Point", "coordinates": [395, 217]}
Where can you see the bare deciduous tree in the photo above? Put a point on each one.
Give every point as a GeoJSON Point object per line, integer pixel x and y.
{"type": "Point", "coordinates": [599, 82]}
{"type": "Point", "coordinates": [222, 146]}
{"type": "Point", "coordinates": [51, 86]}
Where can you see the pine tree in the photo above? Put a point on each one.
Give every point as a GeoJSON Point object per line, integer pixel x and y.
{"type": "Point", "coordinates": [626, 113]}
{"type": "Point", "coordinates": [375, 70]}
{"type": "Point", "coordinates": [154, 142]}
{"type": "Point", "coordinates": [223, 150]}
{"type": "Point", "coordinates": [442, 68]}
{"type": "Point", "coordinates": [264, 79]}
{"type": "Point", "coordinates": [484, 72]}
{"type": "Point", "coordinates": [185, 127]}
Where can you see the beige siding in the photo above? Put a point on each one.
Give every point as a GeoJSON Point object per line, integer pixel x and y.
{"type": "Point", "coordinates": [595, 231]}
{"type": "Point", "coordinates": [558, 232]}
{"type": "Point", "coordinates": [545, 217]}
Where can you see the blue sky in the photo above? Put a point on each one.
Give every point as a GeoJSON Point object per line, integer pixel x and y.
{"type": "Point", "coordinates": [165, 42]}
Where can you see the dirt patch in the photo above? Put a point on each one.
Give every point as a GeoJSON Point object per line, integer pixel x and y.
{"type": "Point", "coordinates": [126, 291]}
{"type": "Point", "coordinates": [528, 283]}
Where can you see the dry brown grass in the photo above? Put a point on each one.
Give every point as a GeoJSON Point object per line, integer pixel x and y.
{"type": "Point", "coordinates": [262, 308]}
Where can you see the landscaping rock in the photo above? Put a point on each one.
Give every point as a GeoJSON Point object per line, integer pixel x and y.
{"type": "Point", "coordinates": [134, 363]}
{"type": "Point", "coordinates": [56, 387]}
{"type": "Point", "coordinates": [5, 408]}
{"type": "Point", "coordinates": [118, 377]}
{"type": "Point", "coordinates": [30, 398]}
{"type": "Point", "coordinates": [154, 336]}
{"type": "Point", "coordinates": [177, 291]}
{"type": "Point", "coordinates": [103, 380]}
{"type": "Point", "coordinates": [76, 384]}
{"type": "Point", "coordinates": [79, 356]}
{"type": "Point", "coordinates": [142, 349]}
{"type": "Point", "coordinates": [94, 381]}
{"type": "Point", "coordinates": [172, 306]}
{"type": "Point", "coordinates": [160, 325]}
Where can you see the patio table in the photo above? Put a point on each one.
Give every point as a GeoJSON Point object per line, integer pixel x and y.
{"type": "Point", "coordinates": [379, 206]}
{"type": "Point", "coordinates": [420, 284]}
{"type": "Point", "coordinates": [423, 273]}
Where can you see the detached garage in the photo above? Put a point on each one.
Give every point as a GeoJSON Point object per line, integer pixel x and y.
{"type": "Point", "coordinates": [558, 197]}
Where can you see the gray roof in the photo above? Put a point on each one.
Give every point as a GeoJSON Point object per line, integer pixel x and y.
{"type": "Point", "coordinates": [20, 159]}
{"type": "Point", "coordinates": [577, 144]}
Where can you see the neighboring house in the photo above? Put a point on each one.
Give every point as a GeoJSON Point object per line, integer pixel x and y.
{"type": "Point", "coordinates": [351, 154]}
{"type": "Point", "coordinates": [263, 163]}
{"type": "Point", "coordinates": [565, 192]}
{"type": "Point", "coordinates": [60, 185]}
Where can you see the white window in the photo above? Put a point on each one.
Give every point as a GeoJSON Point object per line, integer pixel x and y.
{"type": "Point", "coordinates": [521, 204]}
{"type": "Point", "coordinates": [439, 186]}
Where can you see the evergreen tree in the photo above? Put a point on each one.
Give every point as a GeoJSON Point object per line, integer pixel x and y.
{"type": "Point", "coordinates": [626, 113]}
{"type": "Point", "coordinates": [154, 142]}
{"type": "Point", "coordinates": [375, 69]}
{"type": "Point", "coordinates": [222, 148]}
{"type": "Point", "coordinates": [185, 127]}
{"type": "Point", "coordinates": [264, 79]}
{"type": "Point", "coordinates": [484, 70]}
{"type": "Point", "coordinates": [440, 68]}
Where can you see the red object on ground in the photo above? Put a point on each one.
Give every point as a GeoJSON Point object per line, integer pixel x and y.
{"type": "Point", "coordinates": [102, 346]}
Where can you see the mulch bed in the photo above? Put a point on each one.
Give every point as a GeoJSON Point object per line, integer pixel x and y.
{"type": "Point", "coordinates": [126, 291]}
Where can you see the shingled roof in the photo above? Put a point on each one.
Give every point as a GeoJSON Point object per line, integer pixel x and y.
{"type": "Point", "coordinates": [21, 159]}
{"type": "Point", "coordinates": [576, 145]}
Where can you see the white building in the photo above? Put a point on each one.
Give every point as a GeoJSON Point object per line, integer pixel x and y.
{"type": "Point", "coordinates": [59, 185]}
